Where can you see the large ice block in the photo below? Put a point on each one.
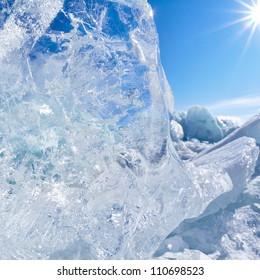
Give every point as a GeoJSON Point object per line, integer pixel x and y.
{"type": "Point", "coordinates": [88, 169]}
{"type": "Point", "coordinates": [202, 125]}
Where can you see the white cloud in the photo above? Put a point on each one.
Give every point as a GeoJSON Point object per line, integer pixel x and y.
{"type": "Point", "coordinates": [243, 107]}
{"type": "Point", "coordinates": [236, 103]}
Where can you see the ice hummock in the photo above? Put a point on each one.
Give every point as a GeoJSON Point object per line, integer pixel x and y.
{"type": "Point", "coordinates": [88, 167]}
{"type": "Point", "coordinates": [250, 129]}
{"type": "Point", "coordinates": [199, 123]}
{"type": "Point", "coordinates": [202, 125]}
{"type": "Point", "coordinates": [85, 138]}
{"type": "Point", "coordinates": [229, 227]}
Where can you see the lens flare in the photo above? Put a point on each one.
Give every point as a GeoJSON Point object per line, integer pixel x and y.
{"type": "Point", "coordinates": [250, 19]}
{"type": "Point", "coordinates": [255, 13]}
{"type": "Point", "coordinates": [251, 13]}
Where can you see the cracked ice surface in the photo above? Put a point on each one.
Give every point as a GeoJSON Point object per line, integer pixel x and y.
{"type": "Point", "coordinates": [88, 170]}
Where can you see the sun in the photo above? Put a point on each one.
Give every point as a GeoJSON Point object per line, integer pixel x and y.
{"type": "Point", "coordinates": [255, 13]}
{"type": "Point", "coordinates": [250, 11]}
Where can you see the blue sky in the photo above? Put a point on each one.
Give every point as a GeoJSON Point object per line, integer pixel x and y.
{"type": "Point", "coordinates": [207, 60]}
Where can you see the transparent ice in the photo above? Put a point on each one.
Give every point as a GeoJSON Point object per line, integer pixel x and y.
{"type": "Point", "coordinates": [88, 167]}
{"type": "Point", "coordinates": [85, 138]}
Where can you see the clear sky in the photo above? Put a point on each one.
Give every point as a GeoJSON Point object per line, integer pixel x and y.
{"type": "Point", "coordinates": [207, 58]}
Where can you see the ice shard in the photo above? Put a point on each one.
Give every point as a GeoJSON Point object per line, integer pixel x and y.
{"type": "Point", "coordinates": [229, 227]}
{"type": "Point", "coordinates": [231, 233]}
{"type": "Point", "coordinates": [238, 159]}
{"type": "Point", "coordinates": [88, 170]}
{"type": "Point", "coordinates": [250, 129]}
